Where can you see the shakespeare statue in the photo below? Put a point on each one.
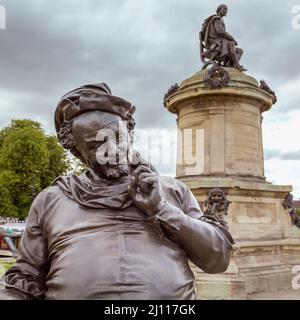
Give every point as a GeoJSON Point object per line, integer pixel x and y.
{"type": "Point", "coordinates": [216, 45]}
{"type": "Point", "coordinates": [119, 230]}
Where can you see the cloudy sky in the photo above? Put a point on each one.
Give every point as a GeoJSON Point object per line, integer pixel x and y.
{"type": "Point", "coordinates": [140, 48]}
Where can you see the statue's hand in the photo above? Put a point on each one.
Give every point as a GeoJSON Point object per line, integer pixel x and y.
{"type": "Point", "coordinates": [145, 191]}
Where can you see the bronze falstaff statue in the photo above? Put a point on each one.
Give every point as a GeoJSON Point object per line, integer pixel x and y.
{"type": "Point", "coordinates": [119, 230]}
{"type": "Point", "coordinates": [217, 46]}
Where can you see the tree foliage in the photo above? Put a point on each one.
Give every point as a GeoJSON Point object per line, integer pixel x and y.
{"type": "Point", "coordinates": [29, 161]}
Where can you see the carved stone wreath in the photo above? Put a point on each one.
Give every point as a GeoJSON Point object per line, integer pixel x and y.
{"type": "Point", "coordinates": [217, 77]}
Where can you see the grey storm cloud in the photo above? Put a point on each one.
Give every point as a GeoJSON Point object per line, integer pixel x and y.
{"type": "Point", "coordinates": [293, 155]}
{"type": "Point", "coordinates": [138, 47]}
{"type": "Point", "coordinates": [270, 154]}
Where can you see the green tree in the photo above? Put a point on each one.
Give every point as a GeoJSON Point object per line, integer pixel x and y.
{"type": "Point", "coordinates": [8, 181]}
{"type": "Point", "coordinates": [76, 166]}
{"type": "Point", "coordinates": [29, 161]}
{"type": "Point", "coordinates": [58, 162]}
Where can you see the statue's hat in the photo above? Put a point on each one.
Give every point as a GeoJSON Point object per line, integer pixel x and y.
{"type": "Point", "coordinates": [91, 97]}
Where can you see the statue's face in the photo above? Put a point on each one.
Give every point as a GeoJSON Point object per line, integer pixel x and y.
{"type": "Point", "coordinates": [223, 11]}
{"type": "Point", "coordinates": [103, 140]}
{"type": "Point", "coordinates": [217, 196]}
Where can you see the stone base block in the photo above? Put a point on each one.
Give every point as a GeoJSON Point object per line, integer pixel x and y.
{"type": "Point", "coordinates": [267, 244]}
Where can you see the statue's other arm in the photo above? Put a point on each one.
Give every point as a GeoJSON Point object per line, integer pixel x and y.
{"type": "Point", "coordinates": [221, 31]}
{"type": "Point", "coordinates": [207, 245]}
{"type": "Point", "coordinates": [26, 279]}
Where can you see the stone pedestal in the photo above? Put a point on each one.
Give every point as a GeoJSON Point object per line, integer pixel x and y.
{"type": "Point", "coordinates": [229, 120]}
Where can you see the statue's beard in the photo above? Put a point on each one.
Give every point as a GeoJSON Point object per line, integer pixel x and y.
{"type": "Point", "coordinates": [115, 172]}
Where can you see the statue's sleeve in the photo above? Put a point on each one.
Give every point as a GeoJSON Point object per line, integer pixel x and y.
{"type": "Point", "coordinates": [206, 243]}
{"type": "Point", "coordinates": [26, 279]}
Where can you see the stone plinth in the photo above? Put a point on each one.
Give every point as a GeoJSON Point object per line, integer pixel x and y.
{"type": "Point", "coordinates": [231, 120]}
{"type": "Point", "coordinates": [267, 245]}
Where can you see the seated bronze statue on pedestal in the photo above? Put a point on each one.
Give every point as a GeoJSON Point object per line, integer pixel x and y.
{"type": "Point", "coordinates": [216, 45]}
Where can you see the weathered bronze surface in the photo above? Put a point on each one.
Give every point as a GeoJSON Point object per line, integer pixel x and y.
{"type": "Point", "coordinates": [217, 46]}
{"type": "Point", "coordinates": [174, 88]}
{"type": "Point", "coordinates": [118, 231]}
{"type": "Point", "coordinates": [265, 87]}
{"type": "Point", "coordinates": [217, 206]}
{"type": "Point", "coordinates": [289, 206]}
{"type": "Point", "coordinates": [217, 77]}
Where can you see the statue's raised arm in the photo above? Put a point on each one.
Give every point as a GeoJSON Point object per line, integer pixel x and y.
{"type": "Point", "coordinates": [216, 45]}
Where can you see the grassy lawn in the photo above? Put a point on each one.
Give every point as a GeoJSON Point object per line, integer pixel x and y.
{"type": "Point", "coordinates": [4, 266]}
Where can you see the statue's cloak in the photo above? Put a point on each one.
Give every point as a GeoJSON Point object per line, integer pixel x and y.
{"type": "Point", "coordinates": [211, 37]}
